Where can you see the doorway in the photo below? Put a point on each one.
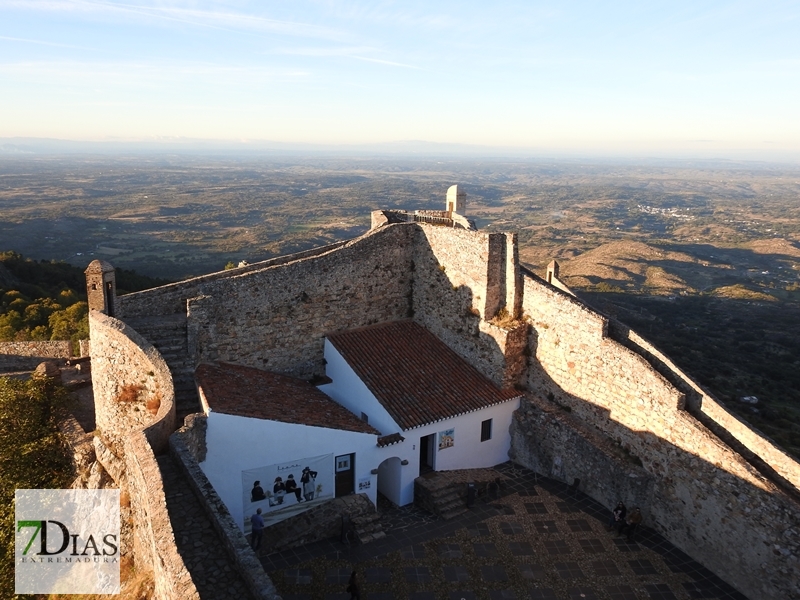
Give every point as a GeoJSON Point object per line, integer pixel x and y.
{"type": "Point", "coordinates": [345, 474]}
{"type": "Point", "coordinates": [109, 291]}
{"type": "Point", "coordinates": [427, 452]}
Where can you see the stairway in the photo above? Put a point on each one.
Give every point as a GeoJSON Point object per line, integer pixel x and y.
{"type": "Point", "coordinates": [444, 493]}
{"type": "Point", "coordinates": [168, 336]}
{"type": "Point", "coordinates": [448, 502]}
{"type": "Point", "coordinates": [368, 527]}
{"type": "Point", "coordinates": [437, 494]}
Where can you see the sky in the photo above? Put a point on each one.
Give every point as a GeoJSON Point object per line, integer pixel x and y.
{"type": "Point", "coordinates": [681, 78]}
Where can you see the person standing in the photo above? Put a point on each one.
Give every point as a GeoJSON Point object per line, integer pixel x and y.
{"type": "Point", "coordinates": [257, 530]}
{"type": "Point", "coordinates": [631, 524]}
{"type": "Point", "coordinates": [352, 587]}
{"type": "Point", "coordinates": [308, 479]}
{"type": "Point", "coordinates": [617, 516]}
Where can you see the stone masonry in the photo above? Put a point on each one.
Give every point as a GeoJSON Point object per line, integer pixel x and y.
{"type": "Point", "coordinates": [597, 408]}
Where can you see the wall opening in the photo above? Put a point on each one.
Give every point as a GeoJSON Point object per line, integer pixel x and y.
{"type": "Point", "coordinates": [345, 474]}
{"type": "Point", "coordinates": [486, 430]}
{"type": "Point", "coordinates": [427, 453]}
{"type": "Point", "coordinates": [389, 479]}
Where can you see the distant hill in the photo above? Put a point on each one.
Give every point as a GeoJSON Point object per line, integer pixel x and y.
{"type": "Point", "coordinates": [758, 271]}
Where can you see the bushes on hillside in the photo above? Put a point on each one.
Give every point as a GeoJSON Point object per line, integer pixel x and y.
{"type": "Point", "coordinates": [32, 454]}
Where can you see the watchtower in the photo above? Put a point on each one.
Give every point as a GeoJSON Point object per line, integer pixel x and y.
{"type": "Point", "coordinates": [456, 200]}
{"type": "Point", "coordinates": [101, 286]}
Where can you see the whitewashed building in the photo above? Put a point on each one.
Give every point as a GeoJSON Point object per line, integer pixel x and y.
{"type": "Point", "coordinates": [398, 403]}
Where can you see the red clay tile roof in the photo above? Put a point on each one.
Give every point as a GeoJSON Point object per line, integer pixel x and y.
{"type": "Point", "coordinates": [391, 439]}
{"type": "Point", "coordinates": [247, 392]}
{"type": "Point", "coordinates": [414, 375]}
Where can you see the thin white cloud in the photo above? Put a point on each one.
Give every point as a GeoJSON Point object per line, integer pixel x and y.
{"type": "Point", "coordinates": [383, 62]}
{"type": "Point", "coordinates": [316, 51]}
{"type": "Point", "coordinates": [213, 19]}
{"type": "Point", "coordinates": [345, 52]}
{"type": "Point", "coordinates": [42, 42]}
{"type": "Point", "coordinates": [132, 74]}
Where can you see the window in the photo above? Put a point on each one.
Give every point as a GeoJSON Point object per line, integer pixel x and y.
{"type": "Point", "coordinates": [486, 430]}
{"type": "Point", "coordinates": [365, 417]}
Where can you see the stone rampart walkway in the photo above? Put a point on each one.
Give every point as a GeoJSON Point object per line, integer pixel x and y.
{"type": "Point", "coordinates": [212, 572]}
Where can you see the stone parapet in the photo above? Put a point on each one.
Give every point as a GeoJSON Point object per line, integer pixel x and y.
{"type": "Point", "coordinates": [321, 522]}
{"type": "Point", "coordinates": [749, 442]}
{"type": "Point", "coordinates": [171, 299]}
{"type": "Point", "coordinates": [26, 356]}
{"type": "Point", "coordinates": [132, 385]}
{"type": "Point", "coordinates": [707, 499]}
{"type": "Point", "coordinates": [154, 540]}
{"type": "Point", "coordinates": [132, 429]}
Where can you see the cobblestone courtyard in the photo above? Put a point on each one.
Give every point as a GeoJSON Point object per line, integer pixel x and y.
{"type": "Point", "coordinates": [540, 540]}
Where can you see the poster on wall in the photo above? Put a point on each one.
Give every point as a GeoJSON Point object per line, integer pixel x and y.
{"type": "Point", "coordinates": [364, 484]}
{"type": "Point", "coordinates": [447, 438]}
{"type": "Point", "coordinates": [285, 489]}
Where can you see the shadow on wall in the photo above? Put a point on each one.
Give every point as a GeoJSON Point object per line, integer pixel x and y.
{"type": "Point", "coordinates": [697, 492]}
{"type": "Point", "coordinates": [694, 489]}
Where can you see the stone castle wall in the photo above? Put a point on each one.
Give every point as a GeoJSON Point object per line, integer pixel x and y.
{"type": "Point", "coordinates": [129, 437]}
{"type": "Point", "coordinates": [25, 356]}
{"type": "Point", "coordinates": [549, 440]}
{"type": "Point", "coordinates": [124, 360]}
{"type": "Point", "coordinates": [171, 299]}
{"type": "Point", "coordinates": [712, 414]}
{"type": "Point", "coordinates": [706, 498]}
{"type": "Point", "coordinates": [275, 318]}
{"type": "Point", "coordinates": [596, 401]}
{"type": "Point", "coordinates": [461, 281]}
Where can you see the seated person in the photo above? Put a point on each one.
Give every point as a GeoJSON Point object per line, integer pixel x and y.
{"type": "Point", "coordinates": [257, 493]}
{"type": "Point", "coordinates": [279, 489]}
{"type": "Point", "coordinates": [292, 488]}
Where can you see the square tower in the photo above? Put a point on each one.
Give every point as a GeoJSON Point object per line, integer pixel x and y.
{"type": "Point", "coordinates": [456, 200]}
{"type": "Point", "coordinates": [101, 286]}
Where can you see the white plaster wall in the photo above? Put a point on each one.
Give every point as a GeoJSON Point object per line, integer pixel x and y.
{"type": "Point", "coordinates": [349, 391]}
{"type": "Point", "coordinates": [239, 443]}
{"type": "Point", "coordinates": [468, 451]}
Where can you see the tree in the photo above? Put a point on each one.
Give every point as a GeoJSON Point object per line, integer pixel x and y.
{"type": "Point", "coordinates": [32, 454]}
{"type": "Point", "coordinates": [72, 323]}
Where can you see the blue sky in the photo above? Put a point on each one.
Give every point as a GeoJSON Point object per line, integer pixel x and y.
{"type": "Point", "coordinates": [685, 78]}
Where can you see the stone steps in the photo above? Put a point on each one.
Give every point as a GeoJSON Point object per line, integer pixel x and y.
{"type": "Point", "coordinates": [369, 528]}
{"type": "Point", "coordinates": [449, 502]}
{"type": "Point", "coordinates": [444, 493]}
{"type": "Point", "coordinates": [168, 336]}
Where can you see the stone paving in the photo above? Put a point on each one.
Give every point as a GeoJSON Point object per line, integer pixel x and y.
{"type": "Point", "coordinates": [540, 540]}
{"type": "Point", "coordinates": [205, 558]}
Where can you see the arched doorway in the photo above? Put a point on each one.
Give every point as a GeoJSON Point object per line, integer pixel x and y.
{"type": "Point", "coordinates": [389, 479]}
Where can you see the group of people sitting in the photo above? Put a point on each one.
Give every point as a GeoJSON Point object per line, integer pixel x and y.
{"type": "Point", "coordinates": [280, 488]}
{"type": "Point", "coordinates": [625, 522]}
